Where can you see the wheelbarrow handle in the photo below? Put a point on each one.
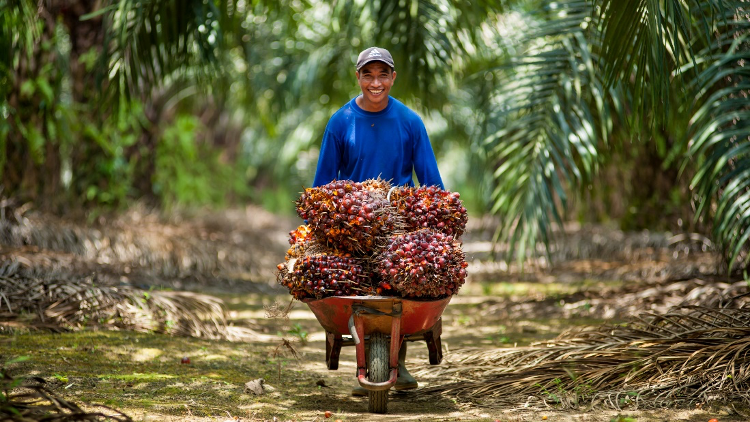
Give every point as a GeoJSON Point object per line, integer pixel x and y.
{"type": "Point", "coordinates": [353, 329]}
{"type": "Point", "coordinates": [378, 386]}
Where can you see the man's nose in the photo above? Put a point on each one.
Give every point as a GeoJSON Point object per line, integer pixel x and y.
{"type": "Point", "coordinates": [376, 81]}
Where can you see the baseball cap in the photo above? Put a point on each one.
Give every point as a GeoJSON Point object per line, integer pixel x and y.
{"type": "Point", "coordinates": [374, 54]}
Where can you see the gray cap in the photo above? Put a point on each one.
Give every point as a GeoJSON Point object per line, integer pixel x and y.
{"type": "Point", "coordinates": [375, 54]}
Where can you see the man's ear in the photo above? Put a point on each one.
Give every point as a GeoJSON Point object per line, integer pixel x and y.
{"type": "Point", "coordinates": [394, 75]}
{"type": "Point", "coordinates": [356, 74]}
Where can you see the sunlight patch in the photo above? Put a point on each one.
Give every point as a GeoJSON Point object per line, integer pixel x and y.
{"type": "Point", "coordinates": [146, 354]}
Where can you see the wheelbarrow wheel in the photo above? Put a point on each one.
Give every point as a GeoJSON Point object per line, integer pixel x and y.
{"type": "Point", "coordinates": [378, 369]}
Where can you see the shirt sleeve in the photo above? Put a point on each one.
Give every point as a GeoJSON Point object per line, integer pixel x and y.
{"type": "Point", "coordinates": [425, 165]}
{"type": "Point", "coordinates": [329, 160]}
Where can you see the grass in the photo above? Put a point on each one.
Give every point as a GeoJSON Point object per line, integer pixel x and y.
{"type": "Point", "coordinates": [123, 370]}
{"type": "Point", "coordinates": [530, 289]}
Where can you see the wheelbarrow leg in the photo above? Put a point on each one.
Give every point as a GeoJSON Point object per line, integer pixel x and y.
{"type": "Point", "coordinates": [396, 340]}
{"type": "Point", "coordinates": [333, 350]}
{"type": "Point", "coordinates": [432, 338]}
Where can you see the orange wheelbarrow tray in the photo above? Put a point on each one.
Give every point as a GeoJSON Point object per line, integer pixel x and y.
{"type": "Point", "coordinates": [360, 316]}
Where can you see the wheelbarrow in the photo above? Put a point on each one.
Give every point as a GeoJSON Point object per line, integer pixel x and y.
{"type": "Point", "coordinates": [382, 323]}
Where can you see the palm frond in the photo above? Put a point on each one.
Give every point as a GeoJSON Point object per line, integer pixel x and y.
{"type": "Point", "coordinates": [28, 400]}
{"type": "Point", "coordinates": [14, 16]}
{"type": "Point", "coordinates": [61, 300]}
{"type": "Point", "coordinates": [19, 31]}
{"type": "Point", "coordinates": [646, 42]}
{"type": "Point", "coordinates": [688, 355]}
{"type": "Point", "coordinates": [148, 43]}
{"type": "Point", "coordinates": [551, 113]}
{"type": "Point", "coordinates": [719, 138]}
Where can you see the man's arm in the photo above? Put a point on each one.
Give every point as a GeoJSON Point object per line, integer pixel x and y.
{"type": "Point", "coordinates": [425, 165]}
{"type": "Point", "coordinates": [329, 159]}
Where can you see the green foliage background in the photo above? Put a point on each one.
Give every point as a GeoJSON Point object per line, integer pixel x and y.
{"type": "Point", "coordinates": [540, 112]}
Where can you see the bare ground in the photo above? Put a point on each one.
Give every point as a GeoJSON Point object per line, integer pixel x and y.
{"type": "Point", "coordinates": [601, 275]}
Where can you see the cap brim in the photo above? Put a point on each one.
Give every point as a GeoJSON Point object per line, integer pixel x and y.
{"type": "Point", "coordinates": [375, 60]}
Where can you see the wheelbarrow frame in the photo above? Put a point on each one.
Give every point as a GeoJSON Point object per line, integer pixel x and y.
{"type": "Point", "coordinates": [359, 316]}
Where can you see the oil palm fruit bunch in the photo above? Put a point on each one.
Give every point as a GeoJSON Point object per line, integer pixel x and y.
{"type": "Point", "coordinates": [320, 276]}
{"type": "Point", "coordinates": [423, 263]}
{"type": "Point", "coordinates": [348, 216]}
{"type": "Point", "coordinates": [431, 207]}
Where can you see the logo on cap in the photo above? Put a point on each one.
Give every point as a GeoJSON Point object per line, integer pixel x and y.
{"type": "Point", "coordinates": [374, 53]}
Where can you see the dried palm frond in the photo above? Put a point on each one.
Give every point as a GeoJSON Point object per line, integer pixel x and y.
{"type": "Point", "coordinates": [206, 246]}
{"type": "Point", "coordinates": [33, 402]}
{"type": "Point", "coordinates": [597, 242]}
{"type": "Point", "coordinates": [64, 301]}
{"type": "Point", "coordinates": [687, 356]}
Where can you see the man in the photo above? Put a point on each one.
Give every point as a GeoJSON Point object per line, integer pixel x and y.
{"type": "Point", "coordinates": [374, 135]}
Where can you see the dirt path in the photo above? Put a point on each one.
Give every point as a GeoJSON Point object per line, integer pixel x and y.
{"type": "Point", "coordinates": [606, 276]}
{"type": "Point", "coordinates": [142, 374]}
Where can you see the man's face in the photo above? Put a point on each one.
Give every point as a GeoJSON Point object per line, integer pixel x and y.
{"type": "Point", "coordinates": [375, 79]}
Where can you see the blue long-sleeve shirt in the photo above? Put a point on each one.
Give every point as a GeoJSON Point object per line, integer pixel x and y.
{"type": "Point", "coordinates": [360, 145]}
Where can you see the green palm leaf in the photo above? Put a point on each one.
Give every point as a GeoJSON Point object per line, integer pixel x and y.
{"type": "Point", "coordinates": [719, 138]}
{"type": "Point", "coordinates": [150, 43]}
{"type": "Point", "coordinates": [554, 112]}
{"type": "Point", "coordinates": [701, 47]}
{"type": "Point", "coordinates": [647, 42]}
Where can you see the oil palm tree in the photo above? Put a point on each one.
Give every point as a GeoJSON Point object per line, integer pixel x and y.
{"type": "Point", "coordinates": [592, 68]}
{"type": "Point", "coordinates": [694, 51]}
{"type": "Point", "coordinates": [549, 99]}
{"type": "Point", "coordinates": [284, 66]}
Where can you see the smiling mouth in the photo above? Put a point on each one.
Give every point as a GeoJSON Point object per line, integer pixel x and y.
{"type": "Point", "coordinates": [376, 91]}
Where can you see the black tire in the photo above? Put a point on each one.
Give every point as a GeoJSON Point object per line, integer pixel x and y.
{"type": "Point", "coordinates": [378, 367]}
